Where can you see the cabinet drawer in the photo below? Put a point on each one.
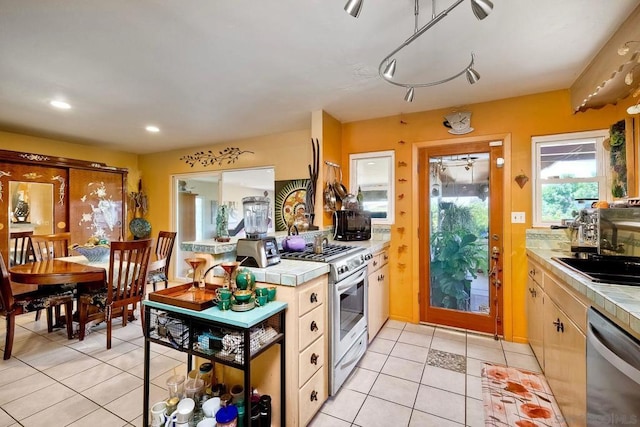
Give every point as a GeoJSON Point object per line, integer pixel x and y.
{"type": "Point", "coordinates": [310, 360]}
{"type": "Point", "coordinates": [384, 258]}
{"type": "Point", "coordinates": [311, 297]}
{"type": "Point", "coordinates": [311, 396]}
{"type": "Point", "coordinates": [575, 310]}
{"type": "Point", "coordinates": [310, 327]}
{"type": "Point", "coordinates": [374, 263]}
{"type": "Point", "coordinates": [535, 273]}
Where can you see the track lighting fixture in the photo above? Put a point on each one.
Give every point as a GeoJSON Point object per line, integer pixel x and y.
{"type": "Point", "coordinates": [353, 7]}
{"type": "Point", "coordinates": [390, 69]}
{"type": "Point", "coordinates": [409, 96]}
{"type": "Point", "coordinates": [481, 9]}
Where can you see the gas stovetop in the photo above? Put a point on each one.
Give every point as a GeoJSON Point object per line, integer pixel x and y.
{"type": "Point", "coordinates": [343, 260]}
{"type": "Point", "coordinates": [329, 253]}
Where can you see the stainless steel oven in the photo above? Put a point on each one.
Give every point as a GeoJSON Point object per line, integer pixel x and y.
{"type": "Point", "coordinates": [347, 306]}
{"type": "Point", "coordinates": [348, 315]}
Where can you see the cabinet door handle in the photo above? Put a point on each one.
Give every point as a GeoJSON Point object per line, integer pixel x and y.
{"type": "Point", "coordinates": [559, 325]}
{"type": "Point", "coordinates": [314, 359]}
{"type": "Point", "coordinates": [532, 272]}
{"type": "Point", "coordinates": [375, 263]}
{"type": "Point", "coordinates": [314, 395]}
{"type": "Point", "coordinates": [533, 292]}
{"type": "Point", "coordinates": [314, 326]}
{"type": "Point", "coordinates": [313, 298]}
{"type": "Point", "coordinates": [386, 257]}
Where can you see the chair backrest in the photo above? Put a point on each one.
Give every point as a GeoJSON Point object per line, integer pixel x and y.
{"type": "Point", "coordinates": [128, 268]}
{"type": "Point", "coordinates": [49, 246]}
{"type": "Point", "coordinates": [22, 250]}
{"type": "Point", "coordinates": [164, 247]}
{"type": "Point", "coordinates": [6, 294]}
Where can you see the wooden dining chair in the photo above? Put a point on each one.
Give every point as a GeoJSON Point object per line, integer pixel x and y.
{"type": "Point", "coordinates": [46, 247]}
{"type": "Point", "coordinates": [164, 248]}
{"type": "Point", "coordinates": [13, 305]}
{"type": "Point", "coordinates": [125, 286]}
{"type": "Point", "coordinates": [22, 249]}
{"type": "Point", "coordinates": [50, 246]}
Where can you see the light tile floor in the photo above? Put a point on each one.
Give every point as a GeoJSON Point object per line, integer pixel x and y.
{"type": "Point", "coordinates": [419, 375]}
{"type": "Point", "coordinates": [400, 381]}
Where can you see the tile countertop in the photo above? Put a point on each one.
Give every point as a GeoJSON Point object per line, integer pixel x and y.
{"type": "Point", "coordinates": [292, 272]}
{"type": "Point", "coordinates": [616, 301]}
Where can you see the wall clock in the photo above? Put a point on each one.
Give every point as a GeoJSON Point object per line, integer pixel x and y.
{"type": "Point", "coordinates": [459, 122]}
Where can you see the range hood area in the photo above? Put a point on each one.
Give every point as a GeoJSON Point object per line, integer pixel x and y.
{"type": "Point", "coordinates": [603, 81]}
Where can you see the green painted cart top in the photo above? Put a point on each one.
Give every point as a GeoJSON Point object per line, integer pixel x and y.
{"type": "Point", "coordinates": [244, 319]}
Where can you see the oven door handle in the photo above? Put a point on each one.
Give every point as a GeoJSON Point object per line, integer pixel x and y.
{"type": "Point", "coordinates": [350, 281]}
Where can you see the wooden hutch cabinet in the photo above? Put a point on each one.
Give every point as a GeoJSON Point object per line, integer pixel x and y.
{"type": "Point", "coordinates": [47, 194]}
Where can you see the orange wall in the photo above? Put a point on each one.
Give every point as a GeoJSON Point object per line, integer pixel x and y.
{"type": "Point", "coordinates": [518, 118]}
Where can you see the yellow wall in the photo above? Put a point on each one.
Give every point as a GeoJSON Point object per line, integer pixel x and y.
{"type": "Point", "coordinates": [290, 153]}
{"type": "Point", "coordinates": [518, 118]}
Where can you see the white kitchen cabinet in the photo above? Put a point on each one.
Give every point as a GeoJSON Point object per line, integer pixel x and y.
{"type": "Point", "coordinates": [565, 351]}
{"type": "Point", "coordinates": [556, 319]}
{"type": "Point", "coordinates": [535, 298]}
{"type": "Point", "coordinates": [307, 348]}
{"type": "Point", "coordinates": [378, 292]}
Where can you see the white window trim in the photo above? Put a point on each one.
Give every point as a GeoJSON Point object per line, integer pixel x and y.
{"type": "Point", "coordinates": [603, 175]}
{"type": "Point", "coordinates": [390, 220]}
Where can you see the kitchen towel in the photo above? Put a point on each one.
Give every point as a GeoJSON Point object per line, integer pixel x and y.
{"type": "Point", "coordinates": [517, 397]}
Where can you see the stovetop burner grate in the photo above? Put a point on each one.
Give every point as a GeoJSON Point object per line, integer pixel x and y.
{"type": "Point", "coordinates": [329, 253]}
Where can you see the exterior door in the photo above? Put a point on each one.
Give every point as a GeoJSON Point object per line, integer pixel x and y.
{"type": "Point", "coordinates": [461, 236]}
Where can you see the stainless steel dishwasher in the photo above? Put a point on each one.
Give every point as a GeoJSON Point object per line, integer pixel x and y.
{"type": "Point", "coordinates": [613, 374]}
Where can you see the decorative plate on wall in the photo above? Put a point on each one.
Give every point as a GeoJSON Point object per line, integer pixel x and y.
{"type": "Point", "coordinates": [140, 228]}
{"type": "Point", "coordinates": [290, 201]}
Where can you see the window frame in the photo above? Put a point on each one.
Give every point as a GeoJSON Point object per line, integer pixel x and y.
{"type": "Point", "coordinates": [353, 180]}
{"type": "Point", "coordinates": [602, 172]}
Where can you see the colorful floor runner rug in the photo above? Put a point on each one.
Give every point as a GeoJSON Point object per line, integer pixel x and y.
{"type": "Point", "coordinates": [517, 397]}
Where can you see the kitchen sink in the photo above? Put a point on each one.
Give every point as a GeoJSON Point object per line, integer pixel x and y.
{"type": "Point", "coordinates": [619, 270]}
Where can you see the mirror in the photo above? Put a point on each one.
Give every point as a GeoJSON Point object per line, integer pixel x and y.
{"type": "Point", "coordinates": [198, 197]}
{"type": "Point", "coordinates": [373, 175]}
{"type": "Point", "coordinates": [31, 207]}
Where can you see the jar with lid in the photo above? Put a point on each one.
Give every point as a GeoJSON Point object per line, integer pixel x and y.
{"type": "Point", "coordinates": [227, 416]}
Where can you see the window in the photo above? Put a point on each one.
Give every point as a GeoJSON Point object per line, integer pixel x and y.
{"type": "Point", "coordinates": [372, 174]}
{"type": "Point", "coordinates": [569, 170]}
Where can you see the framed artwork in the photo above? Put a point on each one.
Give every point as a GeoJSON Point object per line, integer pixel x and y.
{"type": "Point", "coordinates": [290, 201]}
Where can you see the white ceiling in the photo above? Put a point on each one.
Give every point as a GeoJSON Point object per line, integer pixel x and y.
{"type": "Point", "coordinates": [208, 71]}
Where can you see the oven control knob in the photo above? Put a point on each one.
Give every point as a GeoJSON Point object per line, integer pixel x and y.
{"type": "Point", "coordinates": [368, 257]}
{"type": "Point", "coordinates": [343, 269]}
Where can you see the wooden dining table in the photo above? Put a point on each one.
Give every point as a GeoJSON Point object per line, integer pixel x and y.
{"type": "Point", "coordinates": [75, 270]}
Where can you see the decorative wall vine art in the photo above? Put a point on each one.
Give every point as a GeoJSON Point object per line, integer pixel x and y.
{"type": "Point", "coordinates": [61, 189]}
{"type": "Point", "coordinates": [208, 158]}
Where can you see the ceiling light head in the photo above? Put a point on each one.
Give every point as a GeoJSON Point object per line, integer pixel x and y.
{"type": "Point", "coordinates": [152, 129]}
{"type": "Point", "coordinates": [353, 7]}
{"type": "Point", "coordinates": [634, 109]}
{"type": "Point", "coordinates": [390, 69]}
{"type": "Point", "coordinates": [481, 8]}
{"type": "Point", "coordinates": [61, 105]}
{"type": "Point", "coordinates": [409, 95]}
{"type": "Point", "coordinates": [472, 76]}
